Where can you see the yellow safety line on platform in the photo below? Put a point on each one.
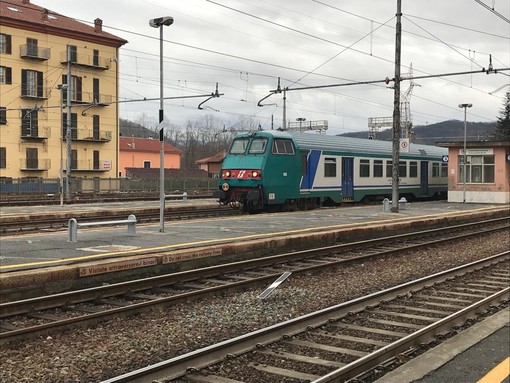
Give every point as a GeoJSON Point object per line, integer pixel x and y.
{"type": "Point", "coordinates": [498, 373]}
{"type": "Point", "coordinates": [223, 240]}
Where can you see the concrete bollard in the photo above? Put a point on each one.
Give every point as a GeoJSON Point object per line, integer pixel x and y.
{"type": "Point", "coordinates": [386, 204]}
{"type": "Point", "coordinates": [402, 203]}
{"type": "Point", "coordinates": [72, 229]}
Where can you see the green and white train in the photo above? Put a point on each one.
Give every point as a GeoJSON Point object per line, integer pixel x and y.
{"type": "Point", "coordinates": [273, 170]}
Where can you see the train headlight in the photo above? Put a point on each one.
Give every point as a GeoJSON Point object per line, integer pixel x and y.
{"type": "Point", "coordinates": [225, 187]}
{"type": "Point", "coordinates": [227, 174]}
{"type": "Point", "coordinates": [255, 174]}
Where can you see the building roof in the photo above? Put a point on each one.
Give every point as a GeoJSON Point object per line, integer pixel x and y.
{"type": "Point", "coordinates": [473, 144]}
{"type": "Point", "coordinates": [25, 15]}
{"type": "Point", "coordinates": [130, 144]}
{"type": "Point", "coordinates": [217, 158]}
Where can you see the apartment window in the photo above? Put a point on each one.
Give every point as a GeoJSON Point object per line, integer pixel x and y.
{"type": "Point", "coordinates": [5, 44]}
{"type": "Point", "coordinates": [364, 168]}
{"type": "Point", "coordinates": [402, 169]}
{"type": "Point", "coordinates": [3, 115]}
{"type": "Point", "coordinates": [5, 75]}
{"type": "Point", "coordinates": [413, 169]}
{"type": "Point", "coordinates": [31, 83]}
{"type": "Point", "coordinates": [389, 169]}
{"type": "Point", "coordinates": [479, 169]}
{"type": "Point", "coordinates": [146, 164]}
{"type": "Point", "coordinates": [74, 125]}
{"type": "Point", "coordinates": [95, 127]}
{"type": "Point", "coordinates": [76, 88]}
{"type": "Point", "coordinates": [29, 123]}
{"type": "Point", "coordinates": [96, 159]}
{"type": "Point", "coordinates": [95, 58]}
{"type": "Point", "coordinates": [378, 168]}
{"type": "Point", "coordinates": [32, 47]}
{"type": "Point", "coordinates": [3, 158]}
{"type": "Point", "coordinates": [330, 167]}
{"type": "Point", "coordinates": [72, 50]}
{"type": "Point", "coordinates": [32, 158]}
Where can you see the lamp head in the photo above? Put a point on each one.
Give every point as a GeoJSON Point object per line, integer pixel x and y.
{"type": "Point", "coordinates": [158, 22]}
{"type": "Point", "coordinates": [465, 105]}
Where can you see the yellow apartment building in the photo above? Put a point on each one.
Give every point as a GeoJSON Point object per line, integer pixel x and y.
{"type": "Point", "coordinates": [38, 49]}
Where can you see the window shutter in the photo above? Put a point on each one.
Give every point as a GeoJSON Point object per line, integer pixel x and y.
{"type": "Point", "coordinates": [24, 82]}
{"type": "Point", "coordinates": [40, 83]}
{"type": "Point", "coordinates": [8, 44]}
{"type": "Point", "coordinates": [8, 75]}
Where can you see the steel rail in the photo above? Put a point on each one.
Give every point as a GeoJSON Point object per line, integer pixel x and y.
{"type": "Point", "coordinates": [8, 309]}
{"type": "Point", "coordinates": [25, 307]}
{"type": "Point", "coordinates": [179, 366]}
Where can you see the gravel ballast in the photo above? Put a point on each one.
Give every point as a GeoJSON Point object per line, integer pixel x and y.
{"type": "Point", "coordinates": [119, 346]}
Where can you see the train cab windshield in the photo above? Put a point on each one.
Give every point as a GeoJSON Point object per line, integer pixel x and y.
{"type": "Point", "coordinates": [256, 146]}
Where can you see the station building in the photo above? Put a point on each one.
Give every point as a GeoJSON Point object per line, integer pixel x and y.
{"type": "Point", "coordinates": [487, 172]}
{"type": "Point", "coordinates": [38, 49]}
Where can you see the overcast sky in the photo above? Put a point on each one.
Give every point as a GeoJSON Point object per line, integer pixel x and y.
{"type": "Point", "coordinates": [245, 45]}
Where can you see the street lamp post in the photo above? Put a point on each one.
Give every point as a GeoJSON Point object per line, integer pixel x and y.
{"type": "Point", "coordinates": [159, 23]}
{"type": "Point", "coordinates": [465, 106]}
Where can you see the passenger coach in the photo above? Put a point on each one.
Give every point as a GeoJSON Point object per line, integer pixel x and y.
{"type": "Point", "coordinates": [271, 169]}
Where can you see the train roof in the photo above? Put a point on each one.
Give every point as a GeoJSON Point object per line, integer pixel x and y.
{"type": "Point", "coordinates": [352, 145]}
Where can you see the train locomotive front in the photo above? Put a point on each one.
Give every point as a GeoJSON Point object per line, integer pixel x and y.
{"type": "Point", "coordinates": [258, 172]}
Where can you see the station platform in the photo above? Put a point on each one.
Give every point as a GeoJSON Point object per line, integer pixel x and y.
{"type": "Point", "coordinates": [109, 251]}
{"type": "Point", "coordinates": [50, 262]}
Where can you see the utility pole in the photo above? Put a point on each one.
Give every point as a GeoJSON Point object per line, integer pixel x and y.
{"type": "Point", "coordinates": [284, 126]}
{"type": "Point", "coordinates": [396, 113]}
{"type": "Point", "coordinates": [68, 128]}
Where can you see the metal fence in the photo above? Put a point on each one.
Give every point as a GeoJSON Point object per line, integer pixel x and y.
{"type": "Point", "coordinates": [106, 185]}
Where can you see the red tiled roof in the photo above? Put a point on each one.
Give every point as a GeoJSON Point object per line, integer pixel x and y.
{"type": "Point", "coordinates": [218, 157]}
{"type": "Point", "coordinates": [130, 144]}
{"type": "Point", "coordinates": [24, 14]}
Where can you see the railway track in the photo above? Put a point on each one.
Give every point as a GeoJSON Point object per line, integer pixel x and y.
{"type": "Point", "coordinates": [44, 223]}
{"type": "Point", "coordinates": [54, 199]}
{"type": "Point", "coordinates": [38, 316]}
{"type": "Point", "coordinates": [354, 339]}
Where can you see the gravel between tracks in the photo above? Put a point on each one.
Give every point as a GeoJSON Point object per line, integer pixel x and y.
{"type": "Point", "coordinates": [118, 346]}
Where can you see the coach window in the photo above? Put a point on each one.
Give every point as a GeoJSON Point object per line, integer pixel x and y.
{"type": "Point", "coordinates": [258, 146]}
{"type": "Point", "coordinates": [378, 168]}
{"type": "Point", "coordinates": [389, 169]}
{"type": "Point", "coordinates": [435, 169]}
{"type": "Point", "coordinates": [402, 169]}
{"type": "Point", "coordinates": [282, 147]}
{"type": "Point", "coordinates": [330, 167]}
{"type": "Point", "coordinates": [413, 169]}
{"type": "Point", "coordinates": [444, 170]}
{"type": "Point", "coordinates": [364, 168]}
{"type": "Point", "coordinates": [239, 146]}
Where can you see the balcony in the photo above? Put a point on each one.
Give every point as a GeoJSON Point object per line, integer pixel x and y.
{"type": "Point", "coordinates": [34, 164]}
{"type": "Point", "coordinates": [91, 98]}
{"type": "Point", "coordinates": [34, 52]}
{"type": "Point", "coordinates": [89, 135]}
{"type": "Point", "coordinates": [91, 61]}
{"type": "Point", "coordinates": [36, 92]}
{"type": "Point", "coordinates": [35, 133]}
{"type": "Point", "coordinates": [90, 166]}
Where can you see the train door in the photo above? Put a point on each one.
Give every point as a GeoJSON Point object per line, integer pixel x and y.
{"type": "Point", "coordinates": [424, 177]}
{"type": "Point", "coordinates": [347, 177]}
